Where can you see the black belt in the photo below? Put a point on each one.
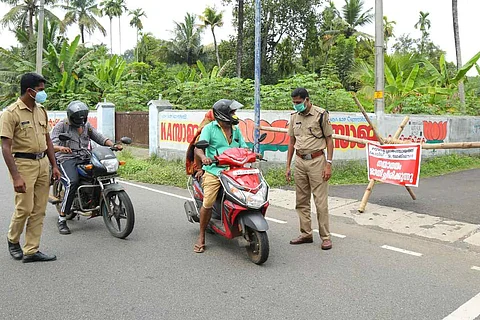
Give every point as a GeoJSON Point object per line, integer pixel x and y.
{"type": "Point", "coordinates": [31, 156]}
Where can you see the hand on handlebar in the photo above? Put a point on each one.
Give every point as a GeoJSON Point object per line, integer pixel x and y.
{"type": "Point", "coordinates": [65, 150]}
{"type": "Point", "coordinates": [206, 161]}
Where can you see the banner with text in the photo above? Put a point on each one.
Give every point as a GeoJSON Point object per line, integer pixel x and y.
{"type": "Point", "coordinates": [394, 163]}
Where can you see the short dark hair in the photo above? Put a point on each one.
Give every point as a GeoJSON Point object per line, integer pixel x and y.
{"type": "Point", "coordinates": [300, 92]}
{"type": "Point", "coordinates": [30, 80]}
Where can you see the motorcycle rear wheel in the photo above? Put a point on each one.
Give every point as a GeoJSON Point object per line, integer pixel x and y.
{"type": "Point", "coordinates": [259, 247]}
{"type": "Point", "coordinates": [122, 207]}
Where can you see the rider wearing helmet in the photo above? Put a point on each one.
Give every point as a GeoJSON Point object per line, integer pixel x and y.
{"type": "Point", "coordinates": [221, 134]}
{"type": "Point", "coordinates": [76, 125]}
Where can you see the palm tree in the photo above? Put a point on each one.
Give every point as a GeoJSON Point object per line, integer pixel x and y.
{"type": "Point", "coordinates": [123, 8]}
{"type": "Point", "coordinates": [424, 25]}
{"type": "Point", "coordinates": [21, 16]}
{"type": "Point", "coordinates": [137, 23]}
{"type": "Point", "coordinates": [111, 9]}
{"type": "Point", "coordinates": [456, 34]}
{"type": "Point", "coordinates": [213, 19]}
{"type": "Point", "coordinates": [387, 30]}
{"type": "Point", "coordinates": [354, 16]}
{"type": "Point", "coordinates": [85, 14]}
{"type": "Point", "coordinates": [187, 40]}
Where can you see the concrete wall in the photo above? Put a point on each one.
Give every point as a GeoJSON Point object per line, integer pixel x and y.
{"type": "Point", "coordinates": [172, 130]}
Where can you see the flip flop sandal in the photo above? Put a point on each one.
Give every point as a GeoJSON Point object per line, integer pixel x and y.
{"type": "Point", "coordinates": [199, 248]}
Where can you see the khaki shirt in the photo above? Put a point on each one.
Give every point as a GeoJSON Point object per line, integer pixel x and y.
{"type": "Point", "coordinates": [307, 132]}
{"type": "Point", "coordinates": [26, 128]}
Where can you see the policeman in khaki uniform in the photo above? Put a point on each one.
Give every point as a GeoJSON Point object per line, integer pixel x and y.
{"type": "Point", "coordinates": [310, 134]}
{"type": "Point", "coordinates": [26, 143]}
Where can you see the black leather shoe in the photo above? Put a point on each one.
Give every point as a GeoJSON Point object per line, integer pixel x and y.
{"type": "Point", "coordinates": [62, 227]}
{"type": "Point", "coordinates": [38, 256]}
{"type": "Point", "coordinates": [15, 250]}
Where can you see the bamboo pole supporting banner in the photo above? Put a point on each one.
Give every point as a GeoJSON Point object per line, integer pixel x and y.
{"type": "Point", "coordinates": [451, 145]}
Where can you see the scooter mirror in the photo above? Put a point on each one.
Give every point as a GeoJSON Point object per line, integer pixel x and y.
{"type": "Point", "coordinates": [64, 137]}
{"type": "Point", "coordinates": [126, 140]}
{"type": "Point", "coordinates": [202, 144]}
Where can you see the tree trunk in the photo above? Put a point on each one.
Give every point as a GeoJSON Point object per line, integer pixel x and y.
{"type": "Point", "coordinates": [119, 36]}
{"type": "Point", "coordinates": [111, 39]}
{"type": "Point", "coordinates": [136, 47]}
{"type": "Point", "coordinates": [216, 48]}
{"type": "Point", "coordinates": [456, 34]}
{"type": "Point", "coordinates": [240, 14]}
{"type": "Point", "coordinates": [30, 26]}
{"type": "Point", "coordinates": [82, 33]}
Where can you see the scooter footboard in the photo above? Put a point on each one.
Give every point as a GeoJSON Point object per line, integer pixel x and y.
{"type": "Point", "coordinates": [254, 220]}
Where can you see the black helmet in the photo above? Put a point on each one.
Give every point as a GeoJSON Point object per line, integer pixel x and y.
{"type": "Point", "coordinates": [222, 110]}
{"type": "Point", "coordinates": [77, 113]}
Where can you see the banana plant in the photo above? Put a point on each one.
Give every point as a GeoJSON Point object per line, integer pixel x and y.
{"type": "Point", "coordinates": [438, 80]}
{"type": "Point", "coordinates": [64, 67]}
{"type": "Point", "coordinates": [107, 74]}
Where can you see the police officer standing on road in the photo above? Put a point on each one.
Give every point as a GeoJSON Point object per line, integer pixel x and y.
{"type": "Point", "coordinates": [310, 134]}
{"type": "Point", "coordinates": [24, 131]}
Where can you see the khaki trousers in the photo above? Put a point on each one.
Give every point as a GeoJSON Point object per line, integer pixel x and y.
{"type": "Point", "coordinates": [30, 207]}
{"type": "Point", "coordinates": [308, 180]}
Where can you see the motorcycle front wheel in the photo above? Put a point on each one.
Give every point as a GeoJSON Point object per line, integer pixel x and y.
{"type": "Point", "coordinates": [259, 247]}
{"type": "Point", "coordinates": [120, 223]}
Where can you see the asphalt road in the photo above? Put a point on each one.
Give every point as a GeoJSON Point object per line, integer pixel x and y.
{"type": "Point", "coordinates": [154, 274]}
{"type": "Point", "coordinates": [454, 196]}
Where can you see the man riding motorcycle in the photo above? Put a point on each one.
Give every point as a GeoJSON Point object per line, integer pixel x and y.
{"type": "Point", "coordinates": [81, 132]}
{"type": "Point", "coordinates": [221, 135]}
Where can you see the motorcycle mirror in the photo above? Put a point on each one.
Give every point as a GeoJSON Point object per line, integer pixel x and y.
{"type": "Point", "coordinates": [202, 144]}
{"type": "Point", "coordinates": [64, 137]}
{"type": "Point", "coordinates": [126, 140]}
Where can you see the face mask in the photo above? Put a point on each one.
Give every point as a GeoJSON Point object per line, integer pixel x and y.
{"type": "Point", "coordinates": [41, 96]}
{"type": "Point", "coordinates": [299, 107]}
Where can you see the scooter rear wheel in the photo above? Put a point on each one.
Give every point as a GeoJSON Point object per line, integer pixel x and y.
{"type": "Point", "coordinates": [259, 247]}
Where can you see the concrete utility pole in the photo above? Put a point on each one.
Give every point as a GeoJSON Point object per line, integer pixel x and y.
{"type": "Point", "coordinates": [41, 16]}
{"type": "Point", "coordinates": [258, 48]}
{"type": "Point", "coordinates": [379, 66]}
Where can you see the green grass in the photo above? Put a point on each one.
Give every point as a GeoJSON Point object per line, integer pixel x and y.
{"type": "Point", "coordinates": [168, 172]}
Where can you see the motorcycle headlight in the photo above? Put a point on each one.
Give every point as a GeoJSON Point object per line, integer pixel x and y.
{"type": "Point", "coordinates": [110, 164]}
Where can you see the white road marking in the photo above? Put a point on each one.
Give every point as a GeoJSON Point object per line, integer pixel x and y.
{"type": "Point", "coordinates": [470, 310]}
{"type": "Point", "coordinates": [275, 220]}
{"type": "Point", "coordinates": [476, 268]}
{"type": "Point", "coordinates": [181, 197]}
{"type": "Point", "coordinates": [337, 235]}
{"type": "Point", "coordinates": [402, 251]}
{"type": "Point", "coordinates": [154, 190]}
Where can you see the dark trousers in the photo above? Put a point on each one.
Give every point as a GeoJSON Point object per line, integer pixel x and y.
{"type": "Point", "coordinates": [70, 181]}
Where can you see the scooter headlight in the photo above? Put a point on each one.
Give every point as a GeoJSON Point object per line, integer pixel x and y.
{"type": "Point", "coordinates": [249, 199]}
{"type": "Point", "coordinates": [257, 200]}
{"type": "Point", "coordinates": [110, 164]}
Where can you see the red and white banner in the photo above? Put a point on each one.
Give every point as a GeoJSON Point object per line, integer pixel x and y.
{"type": "Point", "coordinates": [394, 163]}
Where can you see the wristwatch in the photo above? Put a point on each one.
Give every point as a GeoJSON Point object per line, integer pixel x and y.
{"type": "Point", "coordinates": [329, 161]}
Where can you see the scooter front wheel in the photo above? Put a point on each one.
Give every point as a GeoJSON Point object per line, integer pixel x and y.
{"type": "Point", "coordinates": [259, 247]}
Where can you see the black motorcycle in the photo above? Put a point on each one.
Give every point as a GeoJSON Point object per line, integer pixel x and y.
{"type": "Point", "coordinates": [98, 194]}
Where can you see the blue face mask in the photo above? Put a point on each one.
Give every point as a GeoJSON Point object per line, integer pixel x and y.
{"type": "Point", "coordinates": [41, 96]}
{"type": "Point", "coordinates": [300, 107]}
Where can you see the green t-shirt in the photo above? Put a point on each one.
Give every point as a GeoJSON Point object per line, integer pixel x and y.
{"type": "Point", "coordinates": [213, 133]}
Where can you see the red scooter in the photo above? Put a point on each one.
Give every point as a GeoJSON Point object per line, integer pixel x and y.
{"type": "Point", "coordinates": [241, 203]}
